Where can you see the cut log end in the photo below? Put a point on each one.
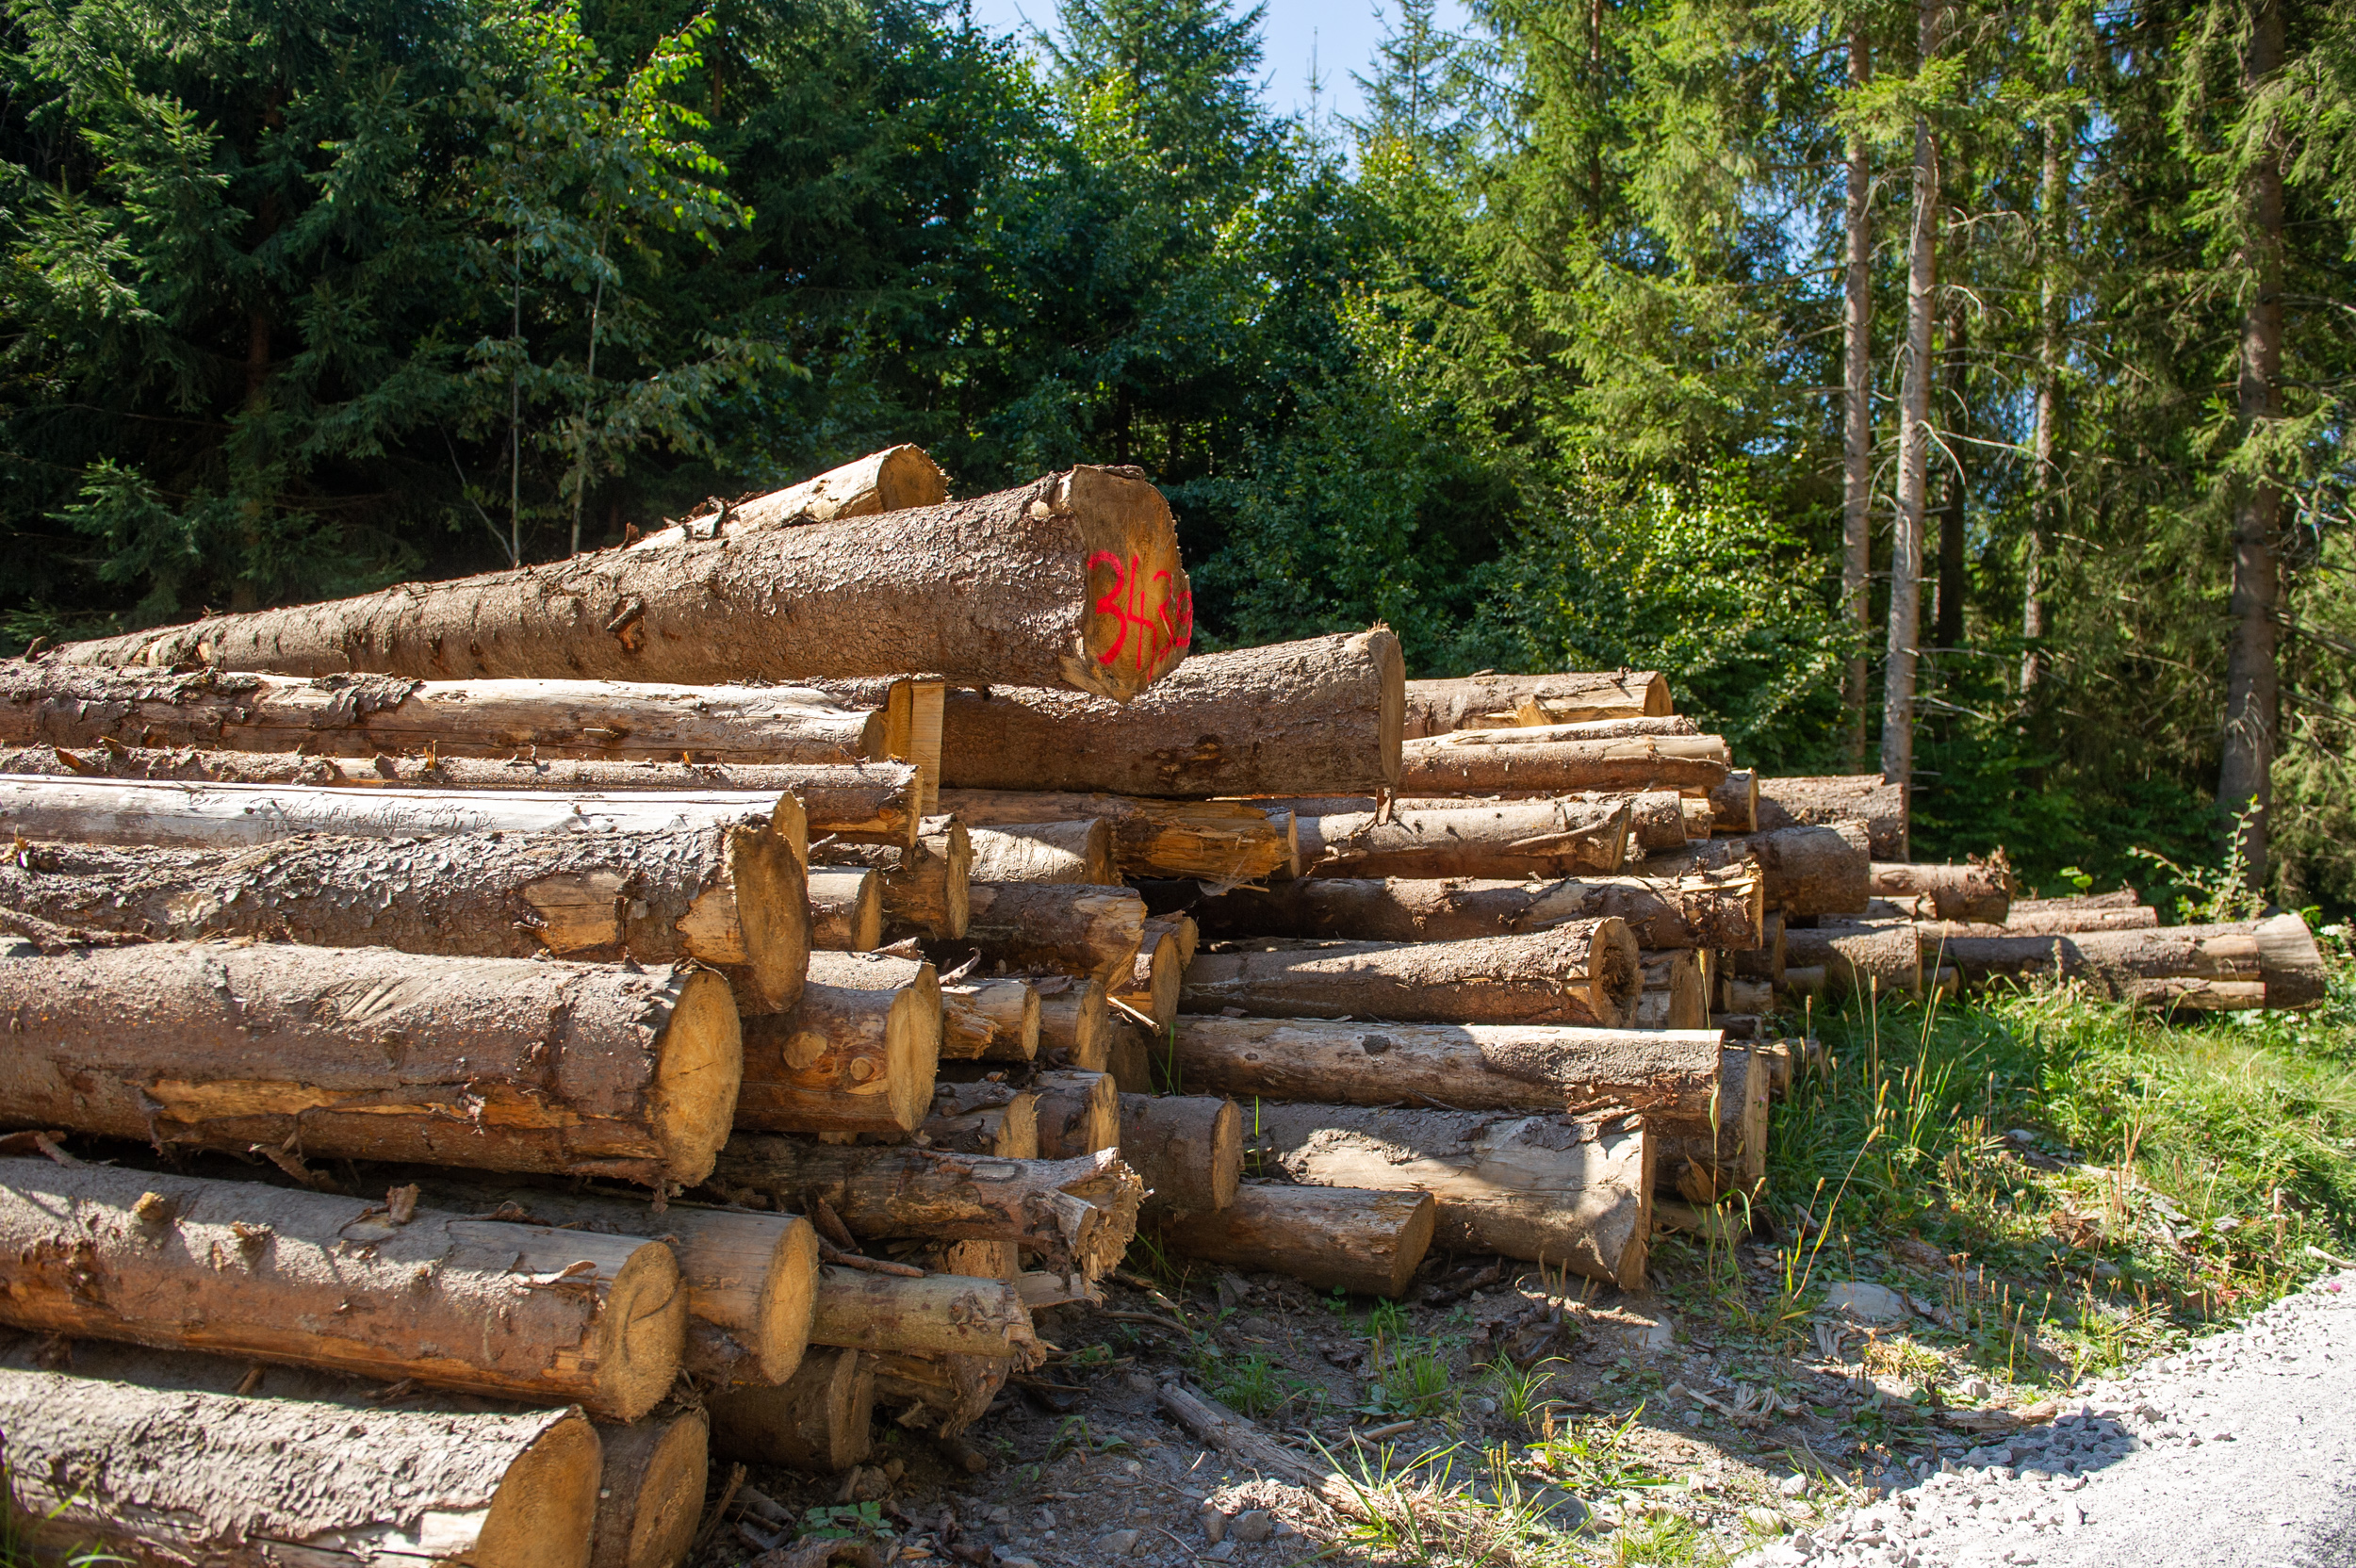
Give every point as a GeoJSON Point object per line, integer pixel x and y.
{"type": "Point", "coordinates": [817, 1421]}
{"type": "Point", "coordinates": [1391, 724]}
{"type": "Point", "coordinates": [542, 1514]}
{"type": "Point", "coordinates": [652, 1495]}
{"type": "Point", "coordinates": [1141, 615]}
{"type": "Point", "coordinates": [788, 1291]}
{"type": "Point", "coordinates": [1330, 1238]}
{"type": "Point", "coordinates": [640, 1332]}
{"type": "Point", "coordinates": [846, 911]}
{"type": "Point", "coordinates": [700, 1069]}
{"type": "Point", "coordinates": [771, 912]}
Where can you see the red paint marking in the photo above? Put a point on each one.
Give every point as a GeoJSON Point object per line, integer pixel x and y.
{"type": "Point", "coordinates": [1167, 627]}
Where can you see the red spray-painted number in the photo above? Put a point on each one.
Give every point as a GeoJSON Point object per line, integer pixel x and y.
{"type": "Point", "coordinates": [1170, 624]}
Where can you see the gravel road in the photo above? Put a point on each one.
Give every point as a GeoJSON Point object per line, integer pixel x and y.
{"type": "Point", "coordinates": [2238, 1453]}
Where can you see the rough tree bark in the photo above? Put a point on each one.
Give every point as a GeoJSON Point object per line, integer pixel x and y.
{"type": "Point", "coordinates": [1914, 431]}
{"type": "Point", "coordinates": [1510, 838]}
{"type": "Point", "coordinates": [1675, 996]}
{"type": "Point", "coordinates": [857, 1053]}
{"type": "Point", "coordinates": [2266, 963]}
{"type": "Point", "coordinates": [1045, 851]}
{"type": "Point", "coordinates": [984, 1119]}
{"type": "Point", "coordinates": [995, 1021]}
{"type": "Point", "coordinates": [893, 479]}
{"type": "Point", "coordinates": [1489, 701]}
{"type": "Point", "coordinates": [1475, 760]}
{"type": "Point", "coordinates": [1079, 1113]}
{"type": "Point", "coordinates": [1063, 928]}
{"type": "Point", "coordinates": [2056, 133]}
{"type": "Point", "coordinates": [1879, 803]}
{"type": "Point", "coordinates": [938, 1313]}
{"type": "Point", "coordinates": [1328, 1239]}
{"type": "Point", "coordinates": [946, 1393]}
{"type": "Point", "coordinates": [819, 1420]}
{"type": "Point", "coordinates": [1214, 840]}
{"type": "Point", "coordinates": [1581, 974]}
{"type": "Point", "coordinates": [1189, 1149]}
{"type": "Point", "coordinates": [1721, 908]}
{"type": "Point", "coordinates": [1807, 870]}
{"type": "Point", "coordinates": [1860, 960]}
{"type": "Point", "coordinates": [1856, 399]}
{"type": "Point", "coordinates": [1977, 891]}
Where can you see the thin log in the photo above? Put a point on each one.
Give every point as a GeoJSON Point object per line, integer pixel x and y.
{"type": "Point", "coordinates": [1722, 908]}
{"type": "Point", "coordinates": [893, 479]}
{"type": "Point", "coordinates": [1977, 891]}
{"type": "Point", "coordinates": [1734, 805]}
{"type": "Point", "coordinates": [1058, 927]}
{"type": "Point", "coordinates": [650, 1491]}
{"type": "Point", "coordinates": [1189, 1149]}
{"type": "Point", "coordinates": [1675, 994]}
{"type": "Point", "coordinates": [936, 1314]}
{"type": "Point", "coordinates": [1003, 1124]}
{"type": "Point", "coordinates": [1656, 820]}
{"type": "Point", "coordinates": [2053, 922]}
{"type": "Point", "coordinates": [1156, 972]}
{"type": "Point", "coordinates": [1079, 1113]}
{"type": "Point", "coordinates": [922, 888]}
{"type": "Point", "coordinates": [1881, 959]}
{"type": "Point", "coordinates": [1582, 973]}
{"type": "Point", "coordinates": [1881, 804]}
{"type": "Point", "coordinates": [1499, 838]}
{"type": "Point", "coordinates": [1808, 870]}
{"type": "Point", "coordinates": [2271, 963]}
{"type": "Point", "coordinates": [1226, 842]}
{"type": "Point", "coordinates": [857, 1054]}
{"type": "Point", "coordinates": [1328, 1239]}
{"type": "Point", "coordinates": [947, 1394]}
{"type": "Point", "coordinates": [819, 1420]}
{"type": "Point", "coordinates": [845, 910]}
{"type": "Point", "coordinates": [1486, 701]}
{"type": "Point", "coordinates": [1074, 1023]}
{"type": "Point", "coordinates": [500, 1063]}
{"type": "Point", "coordinates": [1476, 760]}
{"type": "Point", "coordinates": [1575, 1193]}
{"type": "Point", "coordinates": [1071, 579]}
{"type": "Point", "coordinates": [1045, 851]}
{"type": "Point", "coordinates": [992, 1021]}
{"type": "Point", "coordinates": [512, 1310]}
{"type": "Point", "coordinates": [1703, 1166]}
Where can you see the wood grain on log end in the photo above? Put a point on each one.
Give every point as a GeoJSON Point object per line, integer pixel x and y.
{"type": "Point", "coordinates": [770, 886]}
{"type": "Point", "coordinates": [699, 1075]}
{"type": "Point", "coordinates": [846, 911]}
{"type": "Point", "coordinates": [991, 1020]}
{"type": "Point", "coordinates": [650, 1494]}
{"type": "Point", "coordinates": [857, 1054]}
{"type": "Point", "coordinates": [1141, 615]}
{"type": "Point", "coordinates": [819, 1420]}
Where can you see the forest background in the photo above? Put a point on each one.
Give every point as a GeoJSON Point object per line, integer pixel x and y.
{"type": "Point", "coordinates": [1672, 334]}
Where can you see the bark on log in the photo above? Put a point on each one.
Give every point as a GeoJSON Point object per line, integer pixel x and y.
{"type": "Point", "coordinates": [1478, 760]}
{"type": "Point", "coordinates": [1189, 1149]}
{"type": "Point", "coordinates": [1073, 579]}
{"type": "Point", "coordinates": [1703, 1166]}
{"type": "Point", "coordinates": [1002, 1124]}
{"type": "Point", "coordinates": [2271, 963]}
{"type": "Point", "coordinates": [922, 888]}
{"type": "Point", "coordinates": [937, 1314]}
{"type": "Point", "coordinates": [1671, 1075]}
{"type": "Point", "coordinates": [175, 1477]}
{"type": "Point", "coordinates": [499, 1064]}
{"type": "Point", "coordinates": [947, 1394]}
{"type": "Point", "coordinates": [2054, 922]}
{"type": "Point", "coordinates": [1860, 960]}
{"type": "Point", "coordinates": [1156, 972]}
{"type": "Point", "coordinates": [857, 1053]}
{"type": "Point", "coordinates": [1328, 1239]}
{"type": "Point", "coordinates": [1074, 1024]}
{"type": "Point", "coordinates": [1763, 962]}
{"type": "Point", "coordinates": [992, 1020]}
{"type": "Point", "coordinates": [650, 1491]}
{"type": "Point", "coordinates": [2122, 898]}
{"type": "Point", "coordinates": [1571, 1192]}
{"type": "Point", "coordinates": [1808, 870]}
{"type": "Point", "coordinates": [1675, 996]}
{"type": "Point", "coordinates": [1294, 718]}
{"type": "Point", "coordinates": [1734, 805]}
{"type": "Point", "coordinates": [1582, 973]}
{"type": "Point", "coordinates": [1079, 1113]}
{"type": "Point", "coordinates": [730, 897]}
{"type": "Point", "coordinates": [1045, 851]}
{"type": "Point", "coordinates": [1977, 891]}
{"type": "Point", "coordinates": [1879, 803]}
{"type": "Point", "coordinates": [819, 1420]}
{"type": "Point", "coordinates": [893, 479]}
{"type": "Point", "coordinates": [1504, 838]}
{"type": "Point", "coordinates": [1713, 909]}
{"type": "Point", "coordinates": [1484, 701]}
{"type": "Point", "coordinates": [1213, 840]}
{"type": "Point", "coordinates": [1656, 820]}
{"type": "Point", "coordinates": [1059, 927]}
{"type": "Point", "coordinates": [845, 910]}
{"type": "Point", "coordinates": [241, 1269]}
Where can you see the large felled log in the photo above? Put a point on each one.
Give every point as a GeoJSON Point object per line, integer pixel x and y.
{"type": "Point", "coordinates": [1074, 1026]}
{"type": "Point", "coordinates": [1294, 718]}
{"type": "Point", "coordinates": [1807, 870]}
{"type": "Point", "coordinates": [1720, 909]}
{"type": "Point", "coordinates": [1487, 701]}
{"type": "Point", "coordinates": [500, 1063]}
{"type": "Point", "coordinates": [1328, 1239]}
{"type": "Point", "coordinates": [1215, 841]}
{"type": "Point", "coordinates": [1073, 579]}
{"type": "Point", "coordinates": [1494, 838]}
{"type": "Point", "coordinates": [1574, 1192]}
{"type": "Point", "coordinates": [1079, 1113]}
{"type": "Point", "coordinates": [1478, 760]}
{"type": "Point", "coordinates": [732, 897]}
{"type": "Point", "coordinates": [994, 1020]}
{"type": "Point", "coordinates": [1187, 1147]}
{"type": "Point", "coordinates": [2266, 963]}
{"type": "Point", "coordinates": [2026, 922]}
{"type": "Point", "coordinates": [1582, 973]}
{"type": "Point", "coordinates": [944, 1392]}
{"type": "Point", "coordinates": [1702, 1166]}
{"type": "Point", "coordinates": [893, 479]}
{"type": "Point", "coordinates": [173, 1476]}
{"type": "Point", "coordinates": [845, 910]}
{"type": "Point", "coordinates": [819, 1420]}
{"type": "Point", "coordinates": [1081, 1211]}
{"type": "Point", "coordinates": [1671, 1075]}
{"type": "Point", "coordinates": [1976, 891]}
{"type": "Point", "coordinates": [1150, 988]}
{"type": "Point", "coordinates": [1881, 804]}
{"type": "Point", "coordinates": [514, 1311]}
{"type": "Point", "coordinates": [921, 887]}
{"type": "Point", "coordinates": [359, 715]}
{"type": "Point", "coordinates": [857, 1053]}
{"type": "Point", "coordinates": [1045, 851]}
{"type": "Point", "coordinates": [1878, 959]}
{"type": "Point", "coordinates": [936, 1314]}
{"type": "Point", "coordinates": [1058, 927]}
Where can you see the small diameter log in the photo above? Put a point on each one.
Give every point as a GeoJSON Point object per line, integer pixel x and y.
{"type": "Point", "coordinates": [1582, 973]}
{"type": "Point", "coordinates": [1881, 959]}
{"type": "Point", "coordinates": [893, 479]}
{"type": "Point", "coordinates": [650, 1493]}
{"type": "Point", "coordinates": [1978, 891]}
{"type": "Point", "coordinates": [1294, 718]}
{"type": "Point", "coordinates": [819, 1420]}
{"type": "Point", "coordinates": [857, 1053]}
{"type": "Point", "coordinates": [2271, 963]}
{"type": "Point", "coordinates": [1807, 870]}
{"type": "Point", "coordinates": [219, 816]}
{"type": "Point", "coordinates": [1671, 1075]}
{"type": "Point", "coordinates": [1508, 839]}
{"type": "Point", "coordinates": [1656, 820]}
{"type": "Point", "coordinates": [932, 1316]}
{"type": "Point", "coordinates": [1879, 803]}
{"type": "Point", "coordinates": [1763, 962]}
{"type": "Point", "coordinates": [845, 910]}
{"type": "Point", "coordinates": [1079, 1113]}
{"type": "Point", "coordinates": [1081, 1211]}
{"type": "Point", "coordinates": [499, 1064]}
{"type": "Point", "coordinates": [947, 1394]}
{"type": "Point", "coordinates": [176, 1475]}
{"type": "Point", "coordinates": [1212, 840]}
{"type": "Point", "coordinates": [1722, 908]}
{"type": "Point", "coordinates": [1074, 1022]}
{"type": "Point", "coordinates": [1156, 972]}
{"type": "Point", "coordinates": [1137, 1057]}
{"type": "Point", "coordinates": [1000, 1122]}
{"type": "Point", "coordinates": [2055, 923]}
{"type": "Point", "coordinates": [515, 1312]}
{"type": "Point", "coordinates": [732, 897]}
{"type": "Point", "coordinates": [1328, 1239]}
{"type": "Point", "coordinates": [923, 887]}
{"type": "Point", "coordinates": [1675, 990]}
{"type": "Point", "coordinates": [1702, 1167]}
{"type": "Point", "coordinates": [1058, 927]}
{"type": "Point", "coordinates": [1700, 821]}
{"type": "Point", "coordinates": [1475, 760]}
{"type": "Point", "coordinates": [1071, 579]}
{"type": "Point", "coordinates": [1573, 1192]}
{"type": "Point", "coordinates": [1487, 701]}
{"type": "Point", "coordinates": [1045, 851]}
{"type": "Point", "coordinates": [1747, 996]}
{"type": "Point", "coordinates": [992, 1020]}
{"type": "Point", "coordinates": [1187, 1147]}
{"type": "Point", "coordinates": [1734, 805]}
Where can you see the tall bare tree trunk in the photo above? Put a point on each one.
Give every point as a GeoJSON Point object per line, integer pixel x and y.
{"type": "Point", "coordinates": [2052, 221]}
{"type": "Point", "coordinates": [1914, 407]}
{"type": "Point", "coordinates": [1947, 622]}
{"type": "Point", "coordinates": [1856, 404]}
{"type": "Point", "coordinates": [2252, 698]}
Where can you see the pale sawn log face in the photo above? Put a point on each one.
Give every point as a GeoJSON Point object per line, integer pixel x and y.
{"type": "Point", "coordinates": [1582, 973]}
{"type": "Point", "coordinates": [1330, 1238]}
{"type": "Point", "coordinates": [990, 1020]}
{"type": "Point", "coordinates": [1045, 851]}
{"type": "Point", "coordinates": [499, 1064]}
{"type": "Point", "coordinates": [177, 1474]}
{"type": "Point", "coordinates": [1720, 909]}
{"type": "Point", "coordinates": [1440, 707]}
{"type": "Point", "coordinates": [819, 1420]}
{"type": "Point", "coordinates": [857, 1054]}
{"type": "Point", "coordinates": [1073, 579]}
{"type": "Point", "coordinates": [1510, 838]}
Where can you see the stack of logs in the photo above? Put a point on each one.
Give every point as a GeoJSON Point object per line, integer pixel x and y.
{"type": "Point", "coordinates": [757, 1057]}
